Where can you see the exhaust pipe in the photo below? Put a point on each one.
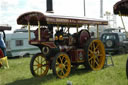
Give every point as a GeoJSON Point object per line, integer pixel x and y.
{"type": "Point", "coordinates": [49, 6]}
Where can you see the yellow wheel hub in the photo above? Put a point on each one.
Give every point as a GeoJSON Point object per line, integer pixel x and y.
{"type": "Point", "coordinates": [96, 55]}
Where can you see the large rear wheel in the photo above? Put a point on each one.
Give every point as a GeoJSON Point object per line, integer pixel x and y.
{"type": "Point", "coordinates": [61, 65]}
{"type": "Point", "coordinates": [39, 66]}
{"type": "Point", "coordinates": [95, 54]}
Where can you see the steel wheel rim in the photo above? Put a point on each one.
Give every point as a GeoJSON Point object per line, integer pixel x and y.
{"type": "Point", "coordinates": [40, 65]}
{"type": "Point", "coordinates": [96, 55]}
{"type": "Point", "coordinates": [63, 66]}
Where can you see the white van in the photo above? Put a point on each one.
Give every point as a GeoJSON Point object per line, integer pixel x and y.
{"type": "Point", "coordinates": [18, 45]}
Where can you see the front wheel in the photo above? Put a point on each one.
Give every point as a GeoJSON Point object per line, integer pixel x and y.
{"type": "Point", "coordinates": [39, 66]}
{"type": "Point", "coordinates": [61, 65]}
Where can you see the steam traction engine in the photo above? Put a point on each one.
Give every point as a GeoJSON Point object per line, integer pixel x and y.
{"type": "Point", "coordinates": [62, 50]}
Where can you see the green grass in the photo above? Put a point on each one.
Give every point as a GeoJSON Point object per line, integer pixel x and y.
{"type": "Point", "coordinates": [19, 74]}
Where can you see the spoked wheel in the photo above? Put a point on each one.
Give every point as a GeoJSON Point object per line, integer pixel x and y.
{"type": "Point", "coordinates": [61, 65]}
{"type": "Point", "coordinates": [95, 54]}
{"type": "Point", "coordinates": [39, 66]}
{"type": "Point", "coordinates": [1, 56]}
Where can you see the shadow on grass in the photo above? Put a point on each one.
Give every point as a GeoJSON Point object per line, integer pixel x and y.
{"type": "Point", "coordinates": [34, 80]}
{"type": "Point", "coordinates": [79, 71]}
{"type": "Point", "coordinates": [47, 78]}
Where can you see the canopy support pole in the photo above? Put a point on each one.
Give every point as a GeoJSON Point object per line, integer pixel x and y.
{"type": "Point", "coordinates": [123, 23]}
{"type": "Point", "coordinates": [88, 27]}
{"type": "Point", "coordinates": [122, 20]}
{"type": "Point", "coordinates": [68, 29]}
{"type": "Point", "coordinates": [97, 31]}
{"type": "Point", "coordinates": [57, 27]}
{"type": "Point", "coordinates": [29, 34]}
{"type": "Point", "coordinates": [39, 36]}
{"type": "Point", "coordinates": [77, 28]}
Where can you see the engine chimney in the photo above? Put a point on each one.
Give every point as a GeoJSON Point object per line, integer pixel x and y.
{"type": "Point", "coordinates": [49, 6]}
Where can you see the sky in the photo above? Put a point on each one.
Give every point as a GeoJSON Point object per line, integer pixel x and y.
{"type": "Point", "coordinates": [11, 9]}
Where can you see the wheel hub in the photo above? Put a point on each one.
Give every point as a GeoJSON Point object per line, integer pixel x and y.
{"type": "Point", "coordinates": [61, 66]}
{"type": "Point", "coordinates": [95, 54]}
{"type": "Point", "coordinates": [39, 65]}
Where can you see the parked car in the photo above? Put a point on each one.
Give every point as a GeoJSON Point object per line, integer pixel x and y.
{"type": "Point", "coordinates": [115, 42]}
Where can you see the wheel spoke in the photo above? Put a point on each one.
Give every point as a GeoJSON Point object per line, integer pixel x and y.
{"type": "Point", "coordinates": [91, 46]}
{"type": "Point", "coordinates": [90, 58]}
{"type": "Point", "coordinates": [63, 57]}
{"type": "Point", "coordinates": [36, 69]}
{"type": "Point", "coordinates": [42, 60]}
{"type": "Point", "coordinates": [65, 69]}
{"type": "Point", "coordinates": [94, 63]}
{"type": "Point", "coordinates": [97, 47]}
{"type": "Point", "coordinates": [44, 65]}
{"type": "Point", "coordinates": [60, 59]}
{"type": "Point", "coordinates": [100, 55]}
{"type": "Point", "coordinates": [91, 62]}
{"type": "Point", "coordinates": [90, 51]}
{"type": "Point", "coordinates": [62, 71]}
{"type": "Point", "coordinates": [38, 58]}
{"type": "Point", "coordinates": [97, 59]}
{"type": "Point", "coordinates": [97, 63]}
{"type": "Point", "coordinates": [65, 62]}
{"type": "Point", "coordinates": [94, 47]}
{"type": "Point", "coordinates": [37, 61]}
{"type": "Point", "coordinates": [35, 65]}
{"type": "Point", "coordinates": [41, 71]}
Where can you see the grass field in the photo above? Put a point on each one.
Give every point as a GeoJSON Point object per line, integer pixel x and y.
{"type": "Point", "coordinates": [19, 74]}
